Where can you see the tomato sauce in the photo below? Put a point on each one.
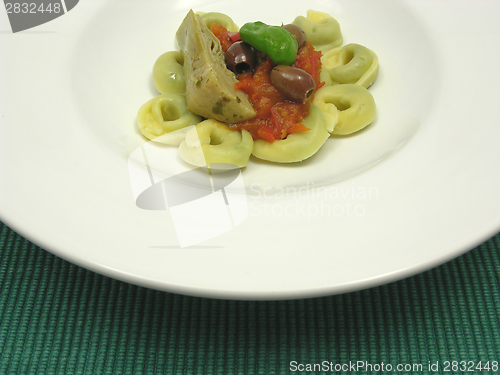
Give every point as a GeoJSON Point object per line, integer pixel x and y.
{"type": "Point", "coordinates": [276, 117]}
{"type": "Point", "coordinates": [226, 37]}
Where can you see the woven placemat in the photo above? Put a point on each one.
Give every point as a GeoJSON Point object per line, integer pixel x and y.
{"type": "Point", "coordinates": [57, 318]}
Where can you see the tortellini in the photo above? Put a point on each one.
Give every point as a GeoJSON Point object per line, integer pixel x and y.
{"type": "Point", "coordinates": [163, 114]}
{"type": "Point", "coordinates": [352, 63]}
{"type": "Point", "coordinates": [298, 146]}
{"type": "Point", "coordinates": [322, 99]}
{"type": "Point", "coordinates": [220, 18]}
{"type": "Point", "coordinates": [321, 29]}
{"type": "Point", "coordinates": [174, 138]}
{"type": "Point", "coordinates": [212, 142]}
{"type": "Point", "coordinates": [168, 73]}
{"type": "Point", "coordinates": [355, 105]}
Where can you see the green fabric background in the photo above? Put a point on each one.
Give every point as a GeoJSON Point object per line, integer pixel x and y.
{"type": "Point", "coordinates": [57, 318]}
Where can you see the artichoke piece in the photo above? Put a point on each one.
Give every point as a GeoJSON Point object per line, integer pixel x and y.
{"type": "Point", "coordinates": [297, 146]}
{"type": "Point", "coordinates": [210, 88]}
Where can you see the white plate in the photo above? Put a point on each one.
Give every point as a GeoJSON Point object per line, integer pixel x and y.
{"type": "Point", "coordinates": [417, 188]}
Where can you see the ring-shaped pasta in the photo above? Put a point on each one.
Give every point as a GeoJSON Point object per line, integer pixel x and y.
{"type": "Point", "coordinates": [220, 18]}
{"type": "Point", "coordinates": [297, 146]}
{"type": "Point", "coordinates": [168, 73]}
{"type": "Point", "coordinates": [175, 137]}
{"type": "Point", "coordinates": [324, 76]}
{"type": "Point", "coordinates": [330, 112]}
{"type": "Point", "coordinates": [355, 105]}
{"type": "Point", "coordinates": [164, 114]}
{"type": "Point", "coordinates": [352, 63]}
{"type": "Point", "coordinates": [212, 142]}
{"type": "Point", "coordinates": [321, 29]}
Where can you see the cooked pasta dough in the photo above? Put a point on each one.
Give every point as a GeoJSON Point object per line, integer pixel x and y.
{"type": "Point", "coordinates": [220, 18]}
{"type": "Point", "coordinates": [298, 146]}
{"type": "Point", "coordinates": [163, 114]}
{"type": "Point", "coordinates": [352, 63]}
{"type": "Point", "coordinates": [212, 142]}
{"type": "Point", "coordinates": [323, 100]}
{"type": "Point", "coordinates": [174, 138]}
{"type": "Point", "coordinates": [168, 73]}
{"type": "Point", "coordinates": [355, 105]}
{"type": "Point", "coordinates": [321, 29]}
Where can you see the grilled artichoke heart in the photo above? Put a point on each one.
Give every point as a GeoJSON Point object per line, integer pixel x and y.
{"type": "Point", "coordinates": [210, 88]}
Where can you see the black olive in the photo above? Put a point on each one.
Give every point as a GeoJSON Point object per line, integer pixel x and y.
{"type": "Point", "coordinates": [297, 32]}
{"type": "Point", "coordinates": [294, 84]}
{"type": "Point", "coordinates": [241, 57]}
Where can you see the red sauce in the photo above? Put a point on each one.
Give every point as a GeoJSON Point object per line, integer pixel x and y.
{"type": "Point", "coordinates": [276, 117]}
{"type": "Point", "coordinates": [225, 37]}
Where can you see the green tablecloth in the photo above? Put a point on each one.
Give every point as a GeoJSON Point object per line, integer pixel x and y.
{"type": "Point", "coordinates": [57, 318]}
